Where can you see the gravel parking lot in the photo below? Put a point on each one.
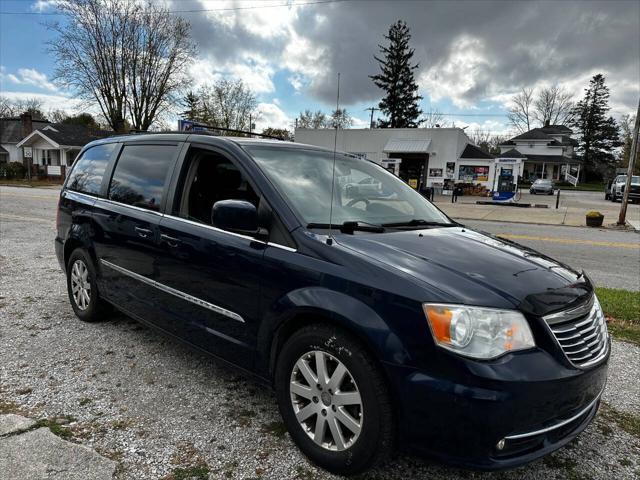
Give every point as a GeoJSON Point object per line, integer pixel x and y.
{"type": "Point", "coordinates": [160, 408]}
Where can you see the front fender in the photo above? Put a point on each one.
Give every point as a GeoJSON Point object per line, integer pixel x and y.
{"type": "Point", "coordinates": [319, 303]}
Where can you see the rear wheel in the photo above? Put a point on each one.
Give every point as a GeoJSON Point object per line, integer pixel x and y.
{"type": "Point", "coordinates": [334, 400]}
{"type": "Point", "coordinates": [82, 288]}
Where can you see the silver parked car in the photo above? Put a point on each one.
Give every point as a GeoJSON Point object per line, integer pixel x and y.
{"type": "Point", "coordinates": [542, 186]}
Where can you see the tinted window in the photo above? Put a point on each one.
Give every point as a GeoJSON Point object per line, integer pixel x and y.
{"type": "Point", "coordinates": [208, 179]}
{"type": "Point", "coordinates": [87, 174]}
{"type": "Point", "coordinates": [140, 174]}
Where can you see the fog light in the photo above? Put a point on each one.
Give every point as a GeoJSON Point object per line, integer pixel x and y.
{"type": "Point", "coordinates": [500, 444]}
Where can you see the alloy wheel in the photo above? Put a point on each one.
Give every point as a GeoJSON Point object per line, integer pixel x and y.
{"type": "Point", "coordinates": [80, 284]}
{"type": "Point", "coordinates": [326, 400]}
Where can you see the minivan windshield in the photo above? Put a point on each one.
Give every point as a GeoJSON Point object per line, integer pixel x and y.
{"type": "Point", "coordinates": [364, 192]}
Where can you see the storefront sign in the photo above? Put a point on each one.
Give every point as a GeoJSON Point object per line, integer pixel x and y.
{"type": "Point", "coordinates": [472, 173]}
{"type": "Point", "coordinates": [413, 182]}
{"type": "Point", "coordinates": [435, 172]}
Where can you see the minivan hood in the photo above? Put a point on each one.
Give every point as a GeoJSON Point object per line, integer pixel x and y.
{"type": "Point", "coordinates": [474, 268]}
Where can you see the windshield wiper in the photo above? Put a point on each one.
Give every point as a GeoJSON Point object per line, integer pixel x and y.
{"type": "Point", "coordinates": [419, 222]}
{"type": "Point", "coordinates": [350, 227]}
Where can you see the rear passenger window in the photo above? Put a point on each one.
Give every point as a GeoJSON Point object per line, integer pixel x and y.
{"type": "Point", "coordinates": [140, 174]}
{"type": "Point", "coordinates": [86, 176]}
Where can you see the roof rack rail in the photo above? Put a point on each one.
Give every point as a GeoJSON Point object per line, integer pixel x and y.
{"type": "Point", "coordinates": [211, 130]}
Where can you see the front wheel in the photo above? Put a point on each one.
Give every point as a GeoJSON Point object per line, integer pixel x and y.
{"type": "Point", "coordinates": [334, 400]}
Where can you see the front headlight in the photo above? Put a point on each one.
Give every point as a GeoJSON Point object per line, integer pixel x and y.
{"type": "Point", "coordinates": [478, 332]}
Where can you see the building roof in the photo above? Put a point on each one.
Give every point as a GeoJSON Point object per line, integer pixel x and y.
{"type": "Point", "coordinates": [513, 153]}
{"type": "Point", "coordinates": [3, 151]}
{"type": "Point", "coordinates": [61, 135]}
{"type": "Point", "coordinates": [533, 134]}
{"type": "Point", "coordinates": [401, 145]}
{"type": "Point", "coordinates": [73, 135]}
{"type": "Point", "coordinates": [557, 129]}
{"type": "Point", "coordinates": [471, 151]}
{"type": "Point", "coordinates": [11, 129]}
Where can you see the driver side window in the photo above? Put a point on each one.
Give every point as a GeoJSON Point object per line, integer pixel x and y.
{"type": "Point", "coordinates": [208, 178]}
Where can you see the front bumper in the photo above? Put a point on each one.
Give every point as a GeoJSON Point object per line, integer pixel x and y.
{"type": "Point", "coordinates": [528, 399]}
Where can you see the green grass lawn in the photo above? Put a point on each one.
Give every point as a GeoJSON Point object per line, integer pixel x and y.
{"type": "Point", "coordinates": [29, 183]}
{"type": "Point", "coordinates": [622, 308]}
{"type": "Point", "coordinates": [585, 187]}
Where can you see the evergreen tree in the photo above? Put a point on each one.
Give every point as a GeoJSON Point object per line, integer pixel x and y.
{"type": "Point", "coordinates": [193, 107]}
{"type": "Point", "coordinates": [400, 103]}
{"type": "Point", "coordinates": [598, 134]}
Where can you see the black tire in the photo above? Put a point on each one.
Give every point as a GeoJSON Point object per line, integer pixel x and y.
{"type": "Point", "coordinates": [375, 441]}
{"type": "Point", "coordinates": [95, 308]}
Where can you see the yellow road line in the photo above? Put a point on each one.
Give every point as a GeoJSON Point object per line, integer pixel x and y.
{"type": "Point", "coordinates": [594, 243]}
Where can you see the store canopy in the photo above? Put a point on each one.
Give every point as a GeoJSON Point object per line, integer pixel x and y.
{"type": "Point", "coordinates": [407, 146]}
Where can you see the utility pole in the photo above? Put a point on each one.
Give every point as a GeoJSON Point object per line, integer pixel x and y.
{"type": "Point", "coordinates": [372, 109]}
{"type": "Point", "coordinates": [632, 161]}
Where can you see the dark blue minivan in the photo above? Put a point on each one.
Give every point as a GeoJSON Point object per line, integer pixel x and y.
{"type": "Point", "coordinates": [380, 322]}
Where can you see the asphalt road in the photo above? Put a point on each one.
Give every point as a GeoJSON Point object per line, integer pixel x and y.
{"type": "Point", "coordinates": [611, 258]}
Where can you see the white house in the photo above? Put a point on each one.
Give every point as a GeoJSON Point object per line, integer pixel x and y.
{"type": "Point", "coordinates": [12, 130]}
{"type": "Point", "coordinates": [546, 152]}
{"type": "Point", "coordinates": [423, 157]}
{"type": "Point", "coordinates": [48, 147]}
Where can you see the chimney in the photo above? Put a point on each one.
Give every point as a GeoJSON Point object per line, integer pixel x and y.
{"type": "Point", "coordinates": [26, 124]}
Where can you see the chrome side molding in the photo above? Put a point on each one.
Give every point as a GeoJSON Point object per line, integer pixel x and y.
{"type": "Point", "coordinates": [174, 292]}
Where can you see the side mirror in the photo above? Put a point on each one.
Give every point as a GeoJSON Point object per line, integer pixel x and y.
{"type": "Point", "coordinates": [238, 216]}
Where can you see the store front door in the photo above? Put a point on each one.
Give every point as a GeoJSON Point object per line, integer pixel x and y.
{"type": "Point", "coordinates": [413, 169]}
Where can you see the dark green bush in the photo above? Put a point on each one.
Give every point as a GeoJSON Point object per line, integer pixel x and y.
{"type": "Point", "coordinates": [12, 170]}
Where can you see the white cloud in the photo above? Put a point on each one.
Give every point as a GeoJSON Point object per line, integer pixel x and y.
{"type": "Point", "coordinates": [271, 115]}
{"type": "Point", "coordinates": [49, 101]}
{"type": "Point", "coordinates": [29, 76]}
{"type": "Point", "coordinates": [255, 72]}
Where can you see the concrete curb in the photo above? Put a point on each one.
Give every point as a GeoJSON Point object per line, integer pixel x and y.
{"type": "Point", "coordinates": [38, 454]}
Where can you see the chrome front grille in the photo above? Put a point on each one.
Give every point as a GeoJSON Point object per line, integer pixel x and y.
{"type": "Point", "coordinates": [581, 333]}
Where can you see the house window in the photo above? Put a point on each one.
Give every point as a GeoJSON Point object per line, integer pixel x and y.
{"type": "Point", "coordinates": [45, 156]}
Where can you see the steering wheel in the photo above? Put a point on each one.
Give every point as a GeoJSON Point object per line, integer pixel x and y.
{"type": "Point", "coordinates": [356, 200]}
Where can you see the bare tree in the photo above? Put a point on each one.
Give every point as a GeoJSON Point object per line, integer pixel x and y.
{"type": "Point", "coordinates": [130, 57]}
{"type": "Point", "coordinates": [14, 108]}
{"type": "Point", "coordinates": [228, 104]}
{"type": "Point", "coordinates": [433, 119]}
{"type": "Point", "coordinates": [309, 119]}
{"type": "Point", "coordinates": [553, 106]}
{"type": "Point", "coordinates": [521, 112]}
{"type": "Point", "coordinates": [627, 123]}
{"type": "Point", "coordinates": [486, 141]}
{"type": "Point", "coordinates": [340, 119]}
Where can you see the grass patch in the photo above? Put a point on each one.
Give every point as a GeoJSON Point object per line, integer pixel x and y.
{"type": "Point", "coordinates": [30, 183]}
{"type": "Point", "coordinates": [199, 472]}
{"type": "Point", "coordinates": [626, 421]}
{"type": "Point", "coordinates": [583, 187]}
{"type": "Point", "coordinates": [277, 429]}
{"type": "Point", "coordinates": [622, 309]}
{"type": "Point", "coordinates": [55, 428]}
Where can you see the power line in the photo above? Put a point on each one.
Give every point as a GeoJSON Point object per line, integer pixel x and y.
{"type": "Point", "coordinates": [204, 10]}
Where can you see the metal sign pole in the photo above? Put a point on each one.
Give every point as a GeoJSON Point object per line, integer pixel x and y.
{"type": "Point", "coordinates": [632, 161]}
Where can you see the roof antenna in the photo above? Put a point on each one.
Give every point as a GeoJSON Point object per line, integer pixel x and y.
{"type": "Point", "coordinates": [333, 172]}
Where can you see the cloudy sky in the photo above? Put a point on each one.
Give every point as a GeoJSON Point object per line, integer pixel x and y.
{"type": "Point", "coordinates": [473, 55]}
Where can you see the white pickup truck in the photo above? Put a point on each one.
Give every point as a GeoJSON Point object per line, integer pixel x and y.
{"type": "Point", "coordinates": [615, 190]}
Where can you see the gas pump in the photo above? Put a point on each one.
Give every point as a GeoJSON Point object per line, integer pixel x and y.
{"type": "Point", "coordinates": [505, 180]}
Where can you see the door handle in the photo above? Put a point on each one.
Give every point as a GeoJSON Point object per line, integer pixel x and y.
{"type": "Point", "coordinates": [171, 241]}
{"type": "Point", "coordinates": [143, 232]}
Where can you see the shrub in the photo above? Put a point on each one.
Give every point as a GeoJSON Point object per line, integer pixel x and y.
{"type": "Point", "coordinates": [12, 170]}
